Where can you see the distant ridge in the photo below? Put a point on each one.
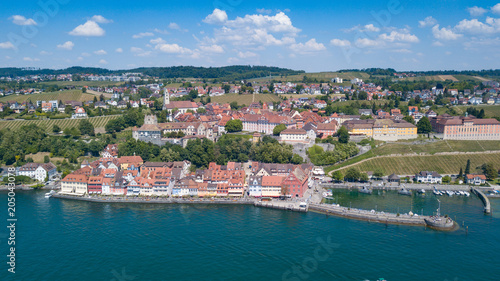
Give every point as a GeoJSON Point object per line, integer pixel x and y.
{"type": "Point", "coordinates": [225, 72]}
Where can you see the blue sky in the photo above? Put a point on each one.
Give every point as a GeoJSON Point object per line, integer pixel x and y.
{"type": "Point", "coordinates": [307, 35]}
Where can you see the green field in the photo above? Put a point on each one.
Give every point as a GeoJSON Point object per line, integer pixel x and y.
{"type": "Point", "coordinates": [489, 110]}
{"type": "Point", "coordinates": [98, 122]}
{"type": "Point", "coordinates": [245, 99]}
{"type": "Point", "coordinates": [443, 164]}
{"type": "Point", "coordinates": [83, 83]}
{"type": "Point", "coordinates": [70, 95]}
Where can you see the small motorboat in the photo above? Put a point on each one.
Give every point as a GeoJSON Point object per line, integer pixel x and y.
{"type": "Point", "coordinates": [49, 194]}
{"type": "Point", "coordinates": [404, 191]}
{"type": "Point", "coordinates": [365, 190]}
{"type": "Point", "coordinates": [450, 193]}
{"type": "Point", "coordinates": [421, 191]}
{"type": "Point", "coordinates": [467, 194]}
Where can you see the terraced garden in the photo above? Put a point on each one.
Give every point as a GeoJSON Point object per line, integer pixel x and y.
{"type": "Point", "coordinates": [98, 122]}
{"type": "Point", "coordinates": [444, 164]}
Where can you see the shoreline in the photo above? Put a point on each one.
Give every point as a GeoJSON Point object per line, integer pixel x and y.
{"type": "Point", "coordinates": [327, 209]}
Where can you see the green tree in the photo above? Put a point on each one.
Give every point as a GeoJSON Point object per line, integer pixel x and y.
{"type": "Point", "coordinates": [297, 159]}
{"type": "Point", "coordinates": [461, 173]}
{"type": "Point", "coordinates": [86, 128]}
{"type": "Point", "coordinates": [56, 129]}
{"type": "Point", "coordinates": [467, 167]}
{"type": "Point", "coordinates": [46, 159]}
{"type": "Point", "coordinates": [84, 90]}
{"type": "Point", "coordinates": [446, 179]}
{"type": "Point", "coordinates": [378, 173]}
{"type": "Point", "coordinates": [234, 126]}
{"type": "Point", "coordinates": [343, 135]}
{"type": "Point", "coordinates": [424, 126]}
{"type": "Point", "coordinates": [352, 175]}
{"type": "Point", "coordinates": [337, 175]}
{"type": "Point", "coordinates": [363, 177]}
{"type": "Point", "coordinates": [409, 119]}
{"type": "Point", "coordinates": [234, 105]}
{"type": "Point", "coordinates": [278, 129]}
{"type": "Point", "coordinates": [489, 171]}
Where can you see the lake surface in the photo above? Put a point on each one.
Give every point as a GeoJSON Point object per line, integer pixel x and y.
{"type": "Point", "coordinates": [73, 240]}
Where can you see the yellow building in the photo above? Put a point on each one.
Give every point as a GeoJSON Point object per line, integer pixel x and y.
{"type": "Point", "coordinates": [382, 129]}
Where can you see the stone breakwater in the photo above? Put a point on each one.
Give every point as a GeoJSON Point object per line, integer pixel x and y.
{"type": "Point", "coordinates": [373, 216]}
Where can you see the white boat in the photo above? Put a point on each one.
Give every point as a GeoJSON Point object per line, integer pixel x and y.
{"type": "Point", "coordinates": [421, 191]}
{"type": "Point", "coordinates": [437, 192]}
{"type": "Point", "coordinates": [449, 192]}
{"type": "Point", "coordinates": [467, 194]}
{"type": "Point", "coordinates": [462, 193]}
{"type": "Point", "coordinates": [49, 194]}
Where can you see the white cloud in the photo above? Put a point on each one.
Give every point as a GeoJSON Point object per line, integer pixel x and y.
{"type": "Point", "coordinates": [174, 25]}
{"type": "Point", "coordinates": [399, 37]}
{"type": "Point", "coordinates": [119, 50]}
{"type": "Point", "coordinates": [142, 34]}
{"type": "Point", "coordinates": [161, 31]}
{"type": "Point", "coordinates": [474, 26]}
{"type": "Point", "coordinates": [308, 47]}
{"type": "Point", "coordinates": [428, 21]}
{"type": "Point", "coordinates": [232, 60]}
{"type": "Point", "coordinates": [437, 44]}
{"type": "Point", "coordinates": [30, 59]}
{"type": "Point", "coordinates": [86, 55]}
{"type": "Point", "coordinates": [444, 33]}
{"type": "Point", "coordinates": [7, 45]}
{"type": "Point", "coordinates": [79, 58]}
{"type": "Point", "coordinates": [100, 19]}
{"type": "Point", "coordinates": [403, 51]}
{"type": "Point", "coordinates": [212, 49]}
{"type": "Point", "coordinates": [139, 52]}
{"type": "Point", "coordinates": [246, 54]}
{"type": "Point", "coordinates": [366, 28]}
{"type": "Point", "coordinates": [172, 49]}
{"type": "Point", "coordinates": [100, 52]}
{"type": "Point", "coordinates": [103, 62]}
{"type": "Point", "coordinates": [157, 41]}
{"type": "Point", "coordinates": [68, 45]}
{"type": "Point", "coordinates": [476, 11]}
{"type": "Point", "coordinates": [216, 17]}
{"type": "Point", "coordinates": [89, 28]}
{"type": "Point", "coordinates": [21, 20]}
{"type": "Point", "coordinates": [371, 28]}
{"type": "Point", "coordinates": [264, 11]}
{"type": "Point", "coordinates": [365, 42]}
{"type": "Point", "coordinates": [340, 43]}
{"type": "Point", "coordinates": [7, 58]}
{"type": "Point", "coordinates": [496, 9]}
{"type": "Point", "coordinates": [45, 53]}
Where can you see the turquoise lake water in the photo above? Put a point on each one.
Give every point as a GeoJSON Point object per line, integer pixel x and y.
{"type": "Point", "coordinates": [73, 240]}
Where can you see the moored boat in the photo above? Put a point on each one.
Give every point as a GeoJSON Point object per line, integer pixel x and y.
{"type": "Point", "coordinates": [365, 190]}
{"type": "Point", "coordinates": [404, 191]}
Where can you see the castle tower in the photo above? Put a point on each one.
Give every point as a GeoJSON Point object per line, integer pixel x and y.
{"type": "Point", "coordinates": [166, 98]}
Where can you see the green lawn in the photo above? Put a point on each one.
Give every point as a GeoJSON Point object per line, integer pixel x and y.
{"type": "Point", "coordinates": [489, 110]}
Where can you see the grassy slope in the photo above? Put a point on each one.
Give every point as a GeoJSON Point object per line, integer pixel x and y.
{"type": "Point", "coordinates": [409, 163]}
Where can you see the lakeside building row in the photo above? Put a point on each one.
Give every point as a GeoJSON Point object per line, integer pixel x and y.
{"type": "Point", "coordinates": [130, 176]}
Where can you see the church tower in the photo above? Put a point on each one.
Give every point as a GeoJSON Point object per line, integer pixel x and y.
{"type": "Point", "coordinates": [166, 98]}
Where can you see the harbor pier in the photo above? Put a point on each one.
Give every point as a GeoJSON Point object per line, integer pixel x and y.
{"type": "Point", "coordinates": [482, 196]}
